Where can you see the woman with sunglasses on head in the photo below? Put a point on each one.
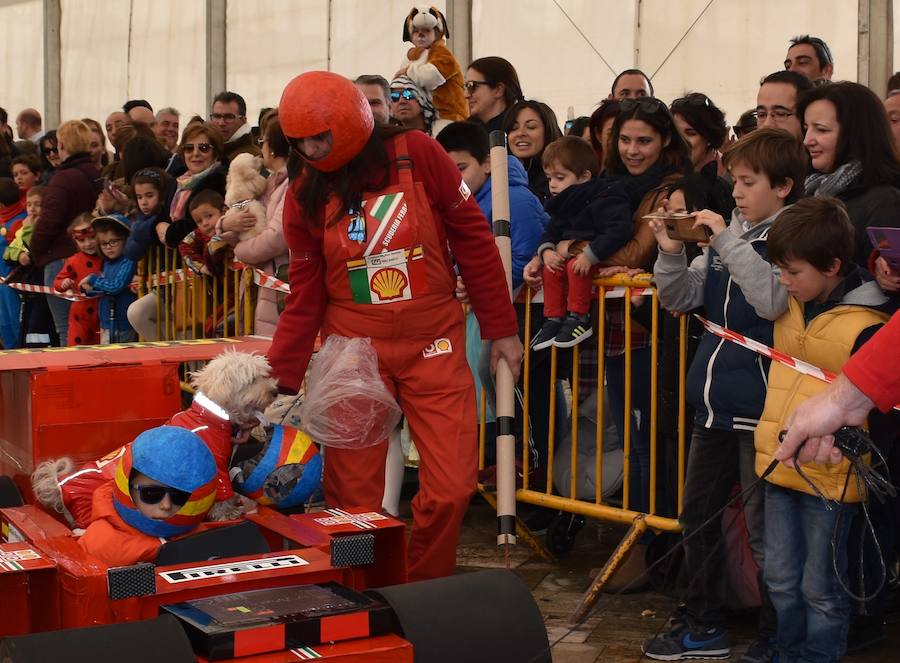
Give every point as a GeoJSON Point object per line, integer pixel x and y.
{"type": "Point", "coordinates": [413, 108]}
{"type": "Point", "coordinates": [849, 142]}
{"type": "Point", "coordinates": [71, 191]}
{"type": "Point", "coordinates": [530, 126]}
{"type": "Point", "coordinates": [201, 148]}
{"type": "Point", "coordinates": [492, 86]}
{"type": "Point", "coordinates": [370, 224]}
{"type": "Point", "coordinates": [646, 155]}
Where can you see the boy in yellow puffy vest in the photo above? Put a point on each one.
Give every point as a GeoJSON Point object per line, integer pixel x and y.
{"type": "Point", "coordinates": [834, 308]}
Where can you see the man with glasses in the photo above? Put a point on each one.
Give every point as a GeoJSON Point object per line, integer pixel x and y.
{"type": "Point", "coordinates": [229, 116]}
{"type": "Point", "coordinates": [811, 57]}
{"type": "Point", "coordinates": [776, 101]}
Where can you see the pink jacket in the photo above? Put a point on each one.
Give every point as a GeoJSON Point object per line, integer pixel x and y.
{"type": "Point", "coordinates": [268, 251]}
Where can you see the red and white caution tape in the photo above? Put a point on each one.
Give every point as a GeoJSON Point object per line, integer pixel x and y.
{"type": "Point", "coordinates": [617, 292]}
{"type": "Point", "coordinates": [262, 279]}
{"type": "Point", "coordinates": [762, 349]}
{"type": "Point", "coordinates": [71, 295]}
{"type": "Point", "coordinates": [169, 278]}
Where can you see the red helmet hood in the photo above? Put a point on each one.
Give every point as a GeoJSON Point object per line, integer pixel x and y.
{"type": "Point", "coordinates": [320, 101]}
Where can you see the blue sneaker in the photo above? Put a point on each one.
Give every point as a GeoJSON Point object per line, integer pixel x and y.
{"type": "Point", "coordinates": [686, 641]}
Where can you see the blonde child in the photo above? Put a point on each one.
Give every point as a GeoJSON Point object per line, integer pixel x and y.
{"type": "Point", "coordinates": [84, 323]}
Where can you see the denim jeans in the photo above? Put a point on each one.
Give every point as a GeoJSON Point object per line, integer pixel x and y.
{"type": "Point", "coordinates": [59, 307]}
{"type": "Point", "coordinates": [639, 456]}
{"type": "Point", "coordinates": [717, 459]}
{"type": "Point", "coordinates": [813, 609]}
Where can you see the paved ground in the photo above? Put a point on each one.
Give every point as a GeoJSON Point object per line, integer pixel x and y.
{"type": "Point", "coordinates": [619, 624]}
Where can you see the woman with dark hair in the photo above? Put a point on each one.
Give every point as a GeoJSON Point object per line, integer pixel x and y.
{"type": "Point", "coordinates": [370, 226]}
{"type": "Point", "coordinates": [600, 124]}
{"type": "Point", "coordinates": [492, 86]}
{"type": "Point", "coordinates": [646, 155]}
{"type": "Point", "coordinates": [580, 127]}
{"type": "Point", "coordinates": [849, 142]}
{"type": "Point", "coordinates": [530, 126]}
{"type": "Point", "coordinates": [702, 126]}
{"type": "Point", "coordinates": [49, 155]}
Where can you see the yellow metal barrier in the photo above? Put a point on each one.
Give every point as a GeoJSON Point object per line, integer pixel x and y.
{"type": "Point", "coordinates": [600, 507]}
{"type": "Point", "coordinates": [190, 305]}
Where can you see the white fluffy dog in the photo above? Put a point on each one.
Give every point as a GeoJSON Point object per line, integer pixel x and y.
{"type": "Point", "coordinates": [231, 391]}
{"type": "Point", "coordinates": [242, 188]}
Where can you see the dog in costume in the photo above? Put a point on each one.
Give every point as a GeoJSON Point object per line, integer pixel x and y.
{"type": "Point", "coordinates": [232, 391]}
{"type": "Point", "coordinates": [431, 65]}
{"type": "Point", "coordinates": [164, 485]}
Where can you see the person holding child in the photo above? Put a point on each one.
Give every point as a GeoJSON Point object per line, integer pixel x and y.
{"type": "Point", "coordinates": [84, 321]}
{"type": "Point", "coordinates": [113, 282]}
{"type": "Point", "coordinates": [834, 307]}
{"type": "Point", "coordinates": [739, 288]}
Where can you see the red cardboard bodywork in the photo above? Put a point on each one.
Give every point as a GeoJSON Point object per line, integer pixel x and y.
{"type": "Point", "coordinates": [84, 402]}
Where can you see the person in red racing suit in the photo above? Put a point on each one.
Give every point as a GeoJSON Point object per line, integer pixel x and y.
{"type": "Point", "coordinates": [370, 225]}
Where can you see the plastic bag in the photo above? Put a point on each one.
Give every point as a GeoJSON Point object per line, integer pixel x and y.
{"type": "Point", "coordinates": [347, 405]}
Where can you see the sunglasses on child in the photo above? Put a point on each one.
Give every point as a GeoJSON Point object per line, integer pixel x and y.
{"type": "Point", "coordinates": [203, 147]}
{"type": "Point", "coordinates": [87, 233]}
{"type": "Point", "coordinates": [155, 494]}
{"type": "Point", "coordinates": [406, 93]}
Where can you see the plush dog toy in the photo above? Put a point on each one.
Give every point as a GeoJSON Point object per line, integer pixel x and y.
{"type": "Point", "coordinates": [232, 391]}
{"type": "Point", "coordinates": [243, 186]}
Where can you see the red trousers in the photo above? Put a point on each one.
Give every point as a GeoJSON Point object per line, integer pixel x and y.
{"type": "Point", "coordinates": [566, 291]}
{"type": "Point", "coordinates": [436, 394]}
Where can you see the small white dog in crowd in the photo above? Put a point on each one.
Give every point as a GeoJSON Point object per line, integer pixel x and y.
{"type": "Point", "coordinates": [243, 186]}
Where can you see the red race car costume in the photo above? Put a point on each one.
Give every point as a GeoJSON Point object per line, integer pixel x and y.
{"type": "Point", "coordinates": [384, 271]}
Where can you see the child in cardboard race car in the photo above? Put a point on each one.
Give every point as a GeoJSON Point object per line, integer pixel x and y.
{"type": "Point", "coordinates": [164, 485]}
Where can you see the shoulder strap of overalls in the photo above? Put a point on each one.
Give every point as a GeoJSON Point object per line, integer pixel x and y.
{"type": "Point", "coordinates": [403, 162]}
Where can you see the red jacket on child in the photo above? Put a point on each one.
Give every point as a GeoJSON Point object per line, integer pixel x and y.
{"type": "Point", "coordinates": [84, 321]}
{"type": "Point", "coordinates": [113, 541]}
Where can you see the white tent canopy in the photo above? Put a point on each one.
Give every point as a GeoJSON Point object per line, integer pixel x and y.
{"type": "Point", "coordinates": [171, 53]}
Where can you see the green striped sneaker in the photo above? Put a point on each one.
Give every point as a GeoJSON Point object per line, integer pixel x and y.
{"type": "Point", "coordinates": [575, 328]}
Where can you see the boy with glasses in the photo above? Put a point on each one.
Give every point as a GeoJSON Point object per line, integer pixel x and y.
{"type": "Point", "coordinates": [112, 284]}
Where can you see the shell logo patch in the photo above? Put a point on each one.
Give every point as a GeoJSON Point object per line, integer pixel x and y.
{"type": "Point", "coordinates": [441, 346]}
{"type": "Point", "coordinates": [389, 283]}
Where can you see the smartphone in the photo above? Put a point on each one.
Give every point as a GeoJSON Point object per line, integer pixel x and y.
{"type": "Point", "coordinates": [679, 226]}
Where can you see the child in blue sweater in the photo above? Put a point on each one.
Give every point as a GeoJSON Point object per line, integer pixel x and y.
{"type": "Point", "coordinates": [112, 284]}
{"type": "Point", "coordinates": [152, 189]}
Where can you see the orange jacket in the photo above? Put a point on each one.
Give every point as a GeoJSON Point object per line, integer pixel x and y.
{"type": "Point", "coordinates": [113, 541]}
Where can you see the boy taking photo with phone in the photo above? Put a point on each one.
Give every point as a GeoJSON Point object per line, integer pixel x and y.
{"type": "Point", "coordinates": [738, 288]}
